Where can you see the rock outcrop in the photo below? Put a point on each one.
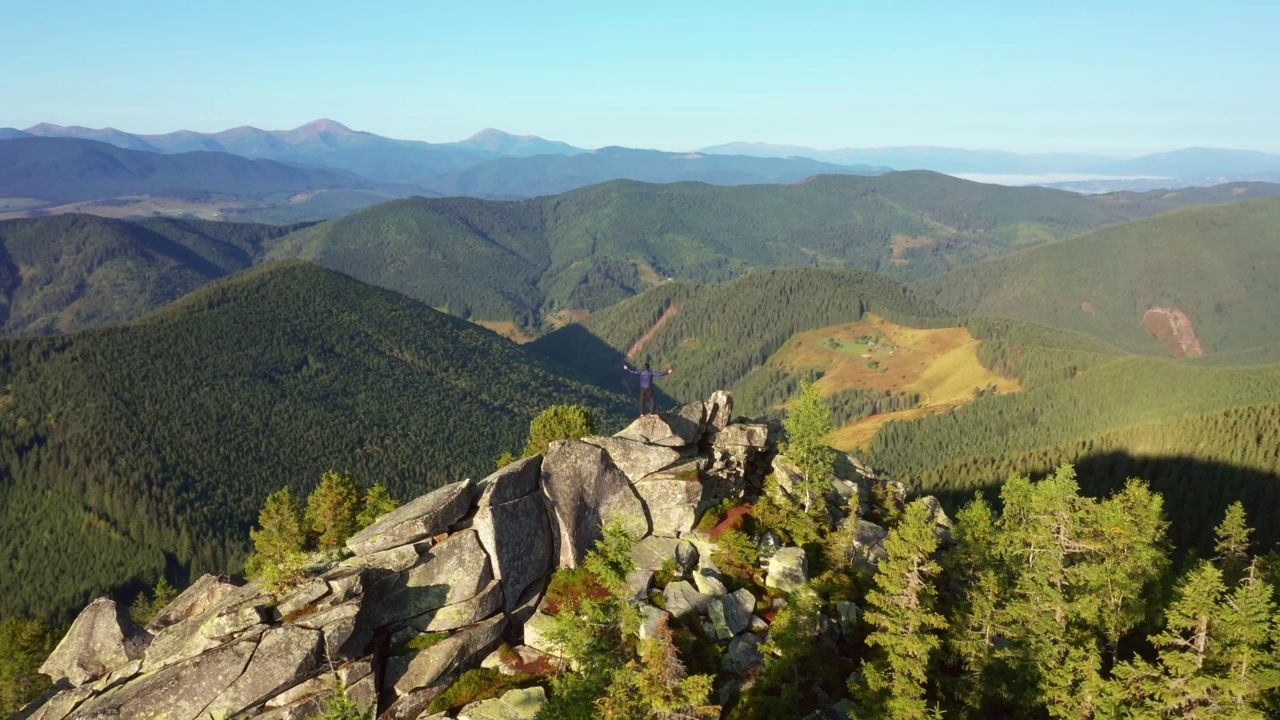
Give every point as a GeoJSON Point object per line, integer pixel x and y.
{"type": "Point", "coordinates": [456, 578]}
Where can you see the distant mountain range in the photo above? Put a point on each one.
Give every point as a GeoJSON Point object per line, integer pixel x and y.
{"type": "Point", "coordinates": [324, 169]}
{"type": "Point", "coordinates": [1179, 168]}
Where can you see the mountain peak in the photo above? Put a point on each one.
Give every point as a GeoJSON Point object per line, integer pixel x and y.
{"type": "Point", "coordinates": [323, 126]}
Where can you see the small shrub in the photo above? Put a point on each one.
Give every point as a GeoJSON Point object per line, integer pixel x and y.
{"type": "Point", "coordinates": [736, 555]}
{"type": "Point", "coordinates": [569, 585]}
{"type": "Point", "coordinates": [558, 422]}
{"type": "Point", "coordinates": [421, 642]}
{"type": "Point", "coordinates": [479, 684]}
{"type": "Point", "coordinates": [669, 572]}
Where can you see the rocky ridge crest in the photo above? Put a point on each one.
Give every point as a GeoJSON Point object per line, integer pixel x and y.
{"type": "Point", "coordinates": [435, 587]}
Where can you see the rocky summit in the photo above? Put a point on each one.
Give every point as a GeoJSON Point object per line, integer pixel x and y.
{"type": "Point", "coordinates": [455, 580]}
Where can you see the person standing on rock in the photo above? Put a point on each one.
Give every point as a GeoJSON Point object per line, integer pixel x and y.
{"type": "Point", "coordinates": [646, 385]}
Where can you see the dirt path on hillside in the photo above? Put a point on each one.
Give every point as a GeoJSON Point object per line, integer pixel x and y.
{"type": "Point", "coordinates": [638, 347]}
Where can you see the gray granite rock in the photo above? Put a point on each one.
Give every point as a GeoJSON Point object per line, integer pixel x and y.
{"type": "Point", "coordinates": [634, 458]}
{"type": "Point", "coordinates": [200, 596]}
{"type": "Point", "coordinates": [512, 482]}
{"type": "Point", "coordinates": [754, 435]}
{"type": "Point", "coordinates": [460, 651]}
{"type": "Point", "coordinates": [673, 495]}
{"type": "Point", "coordinates": [738, 607]}
{"type": "Point", "coordinates": [941, 523]}
{"type": "Point", "coordinates": [455, 570]}
{"type": "Point", "coordinates": [177, 692]}
{"type": "Point", "coordinates": [420, 518]}
{"type": "Point", "coordinates": [537, 631]}
{"type": "Point", "coordinates": [467, 612]}
{"type": "Point", "coordinates": [743, 656]}
{"type": "Point", "coordinates": [652, 621]}
{"type": "Point", "coordinates": [586, 493]}
{"type": "Point", "coordinates": [719, 410]}
{"type": "Point", "coordinates": [653, 552]}
{"type": "Point", "coordinates": [682, 599]}
{"type": "Point", "coordinates": [522, 704]}
{"type": "Point", "coordinates": [302, 597]}
{"type": "Point", "coordinates": [709, 583]}
{"type": "Point", "coordinates": [518, 538]}
{"type": "Point", "coordinates": [284, 657]}
{"type": "Point", "coordinates": [101, 639]}
{"type": "Point", "coordinates": [850, 614]}
{"type": "Point", "coordinates": [788, 570]}
{"type": "Point", "coordinates": [719, 622]}
{"type": "Point", "coordinates": [676, 428]}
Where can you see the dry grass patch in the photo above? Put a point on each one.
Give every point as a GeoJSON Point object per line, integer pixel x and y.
{"type": "Point", "coordinates": [940, 364]}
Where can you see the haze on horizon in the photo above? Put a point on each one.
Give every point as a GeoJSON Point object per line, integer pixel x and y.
{"type": "Point", "coordinates": [1092, 77]}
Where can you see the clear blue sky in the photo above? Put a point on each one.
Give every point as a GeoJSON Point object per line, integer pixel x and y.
{"type": "Point", "coordinates": [1116, 77]}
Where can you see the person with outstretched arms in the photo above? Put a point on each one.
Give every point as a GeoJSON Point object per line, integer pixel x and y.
{"type": "Point", "coordinates": [646, 385]}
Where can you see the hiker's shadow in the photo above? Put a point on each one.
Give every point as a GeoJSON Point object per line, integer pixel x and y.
{"type": "Point", "coordinates": [592, 360]}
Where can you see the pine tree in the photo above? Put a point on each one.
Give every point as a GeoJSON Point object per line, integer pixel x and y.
{"type": "Point", "coordinates": [278, 541]}
{"type": "Point", "coordinates": [977, 583]}
{"type": "Point", "coordinates": [1232, 542]}
{"type": "Point", "coordinates": [809, 428]}
{"type": "Point", "coordinates": [333, 509]}
{"type": "Point", "coordinates": [901, 609]}
{"type": "Point", "coordinates": [1044, 541]}
{"type": "Point", "coordinates": [377, 502]}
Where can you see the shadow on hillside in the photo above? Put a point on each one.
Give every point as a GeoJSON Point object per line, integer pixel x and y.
{"type": "Point", "coordinates": [1196, 494]}
{"type": "Point", "coordinates": [595, 362]}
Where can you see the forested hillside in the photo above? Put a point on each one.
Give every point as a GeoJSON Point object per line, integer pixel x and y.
{"type": "Point", "coordinates": [589, 248]}
{"type": "Point", "coordinates": [1198, 281]}
{"type": "Point", "coordinates": [131, 451]}
{"type": "Point", "coordinates": [716, 335]}
{"type": "Point", "coordinates": [73, 271]}
{"type": "Point", "coordinates": [1202, 436]}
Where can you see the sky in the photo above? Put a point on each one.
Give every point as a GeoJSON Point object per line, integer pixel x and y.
{"type": "Point", "coordinates": [1121, 77]}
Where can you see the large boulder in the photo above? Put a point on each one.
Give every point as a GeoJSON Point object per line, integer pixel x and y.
{"type": "Point", "coordinates": [178, 692]}
{"type": "Point", "coordinates": [423, 517]}
{"type": "Point", "coordinates": [753, 435]}
{"type": "Point", "coordinates": [511, 482]}
{"type": "Point", "coordinates": [635, 459]}
{"type": "Point", "coordinates": [200, 596]}
{"type": "Point", "coordinates": [683, 599]}
{"type": "Point", "coordinates": [653, 552]}
{"type": "Point", "coordinates": [672, 496]}
{"type": "Point", "coordinates": [743, 655]}
{"type": "Point", "coordinates": [455, 570]}
{"type": "Point", "coordinates": [941, 523]}
{"type": "Point", "coordinates": [518, 537]}
{"type": "Point", "coordinates": [738, 607]}
{"type": "Point", "coordinates": [866, 546]}
{"type": "Point", "coordinates": [676, 428]}
{"type": "Point", "coordinates": [243, 611]}
{"type": "Point", "coordinates": [460, 651]}
{"type": "Point", "coordinates": [719, 410]}
{"type": "Point", "coordinates": [587, 492]}
{"type": "Point", "coordinates": [285, 656]}
{"type": "Point", "coordinates": [467, 612]}
{"type": "Point", "coordinates": [512, 705]}
{"type": "Point", "coordinates": [788, 570]}
{"type": "Point", "coordinates": [101, 639]}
